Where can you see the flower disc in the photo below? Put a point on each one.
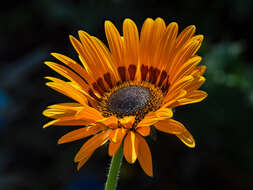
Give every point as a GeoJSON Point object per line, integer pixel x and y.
{"type": "Point", "coordinates": [128, 100]}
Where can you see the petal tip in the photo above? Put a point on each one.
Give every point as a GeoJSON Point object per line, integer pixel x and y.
{"type": "Point", "coordinates": [193, 145]}
{"type": "Point", "coordinates": [60, 141]}
{"type": "Point", "coordinates": [192, 27]}
{"type": "Point", "coordinates": [45, 126]}
{"type": "Point", "coordinates": [47, 63]}
{"type": "Point", "coordinates": [107, 23]}
{"type": "Point", "coordinates": [53, 54]}
{"type": "Point", "coordinates": [174, 24]}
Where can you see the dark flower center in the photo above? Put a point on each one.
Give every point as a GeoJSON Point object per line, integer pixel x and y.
{"type": "Point", "coordinates": [131, 98]}
{"type": "Point", "coordinates": [128, 100]}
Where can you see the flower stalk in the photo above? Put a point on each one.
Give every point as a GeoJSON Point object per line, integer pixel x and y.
{"type": "Point", "coordinates": [114, 170]}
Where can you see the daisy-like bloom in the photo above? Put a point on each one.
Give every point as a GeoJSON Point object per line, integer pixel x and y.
{"type": "Point", "coordinates": [121, 93]}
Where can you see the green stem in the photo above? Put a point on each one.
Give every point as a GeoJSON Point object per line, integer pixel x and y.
{"type": "Point", "coordinates": [114, 170]}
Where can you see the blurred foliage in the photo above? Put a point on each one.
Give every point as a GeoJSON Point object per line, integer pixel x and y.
{"type": "Point", "coordinates": [221, 124]}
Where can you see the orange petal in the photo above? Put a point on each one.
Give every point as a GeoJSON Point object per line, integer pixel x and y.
{"type": "Point", "coordinates": [80, 134]}
{"type": "Point", "coordinates": [80, 50]}
{"type": "Point", "coordinates": [170, 126]}
{"type": "Point", "coordinates": [193, 97]}
{"type": "Point", "coordinates": [111, 122]}
{"type": "Point", "coordinates": [153, 117]}
{"type": "Point", "coordinates": [170, 102]}
{"type": "Point", "coordinates": [90, 114]}
{"type": "Point", "coordinates": [108, 60]}
{"type": "Point", "coordinates": [67, 73]}
{"type": "Point", "coordinates": [117, 135]}
{"type": "Point", "coordinates": [181, 84]}
{"type": "Point", "coordinates": [200, 70]}
{"type": "Point", "coordinates": [130, 147]}
{"type": "Point", "coordinates": [196, 84]}
{"type": "Point", "coordinates": [92, 144]}
{"type": "Point", "coordinates": [186, 68]}
{"type": "Point", "coordinates": [144, 156]}
{"type": "Point", "coordinates": [84, 159]}
{"type": "Point", "coordinates": [115, 43]}
{"type": "Point", "coordinates": [184, 36]}
{"type": "Point", "coordinates": [131, 42]}
{"type": "Point", "coordinates": [68, 90]}
{"type": "Point", "coordinates": [187, 139]}
{"type": "Point", "coordinates": [127, 121]}
{"type": "Point", "coordinates": [91, 55]}
{"type": "Point", "coordinates": [177, 87]}
{"type": "Point", "coordinates": [97, 55]}
{"type": "Point", "coordinates": [70, 120]}
{"type": "Point", "coordinates": [143, 130]}
{"type": "Point", "coordinates": [62, 110]}
{"type": "Point", "coordinates": [151, 36]}
{"type": "Point", "coordinates": [145, 38]}
{"type": "Point", "coordinates": [75, 66]}
{"type": "Point", "coordinates": [72, 106]}
{"type": "Point", "coordinates": [187, 52]}
{"type": "Point", "coordinates": [167, 45]}
{"type": "Point", "coordinates": [164, 113]}
{"type": "Point", "coordinates": [113, 148]}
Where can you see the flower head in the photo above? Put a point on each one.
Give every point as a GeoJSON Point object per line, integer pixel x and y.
{"type": "Point", "coordinates": [120, 93]}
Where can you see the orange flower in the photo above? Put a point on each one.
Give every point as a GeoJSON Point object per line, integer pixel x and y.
{"type": "Point", "coordinates": [120, 93]}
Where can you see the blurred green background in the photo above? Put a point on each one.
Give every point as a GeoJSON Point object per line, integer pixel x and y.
{"type": "Point", "coordinates": [30, 159]}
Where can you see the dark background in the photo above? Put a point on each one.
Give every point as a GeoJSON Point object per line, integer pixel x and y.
{"type": "Point", "coordinates": [30, 159]}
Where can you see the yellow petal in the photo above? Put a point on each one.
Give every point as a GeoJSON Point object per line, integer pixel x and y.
{"type": "Point", "coordinates": [170, 126]}
{"type": "Point", "coordinates": [187, 139]}
{"type": "Point", "coordinates": [130, 147]}
{"type": "Point", "coordinates": [144, 156]}
{"type": "Point", "coordinates": [80, 134]}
